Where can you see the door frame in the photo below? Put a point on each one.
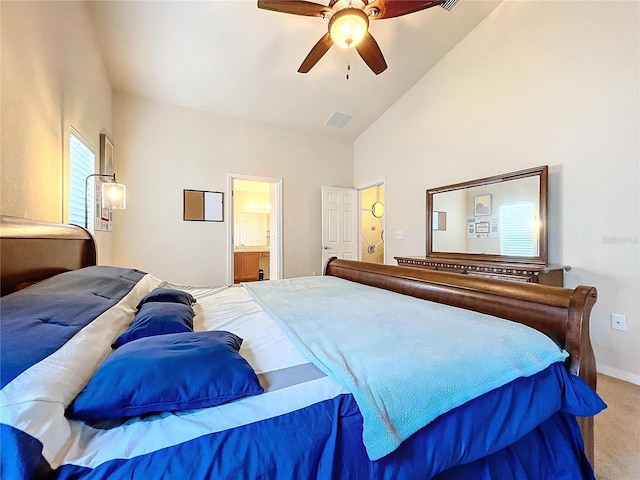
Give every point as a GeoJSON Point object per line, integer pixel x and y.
{"type": "Point", "coordinates": [275, 241]}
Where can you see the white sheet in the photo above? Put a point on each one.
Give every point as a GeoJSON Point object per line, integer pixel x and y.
{"type": "Point", "coordinates": [231, 308]}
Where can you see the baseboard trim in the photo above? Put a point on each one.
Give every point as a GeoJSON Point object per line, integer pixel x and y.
{"type": "Point", "coordinates": [619, 374]}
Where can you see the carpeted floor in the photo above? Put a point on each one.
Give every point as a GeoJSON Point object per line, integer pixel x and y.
{"type": "Point", "coordinates": [617, 431]}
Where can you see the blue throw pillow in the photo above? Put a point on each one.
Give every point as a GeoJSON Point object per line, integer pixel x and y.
{"type": "Point", "coordinates": [168, 295]}
{"type": "Point", "coordinates": [158, 318]}
{"type": "Point", "coordinates": [179, 371]}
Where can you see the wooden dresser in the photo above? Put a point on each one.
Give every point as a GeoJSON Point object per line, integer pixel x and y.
{"type": "Point", "coordinates": [514, 272]}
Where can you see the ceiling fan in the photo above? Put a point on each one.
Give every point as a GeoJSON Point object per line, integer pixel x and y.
{"type": "Point", "coordinates": [348, 24]}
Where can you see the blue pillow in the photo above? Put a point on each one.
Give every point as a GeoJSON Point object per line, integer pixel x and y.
{"type": "Point", "coordinates": [168, 295]}
{"type": "Point", "coordinates": [158, 318]}
{"type": "Point", "coordinates": [179, 371]}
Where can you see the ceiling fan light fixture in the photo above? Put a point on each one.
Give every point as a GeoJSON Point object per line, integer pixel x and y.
{"type": "Point", "coordinates": [348, 27]}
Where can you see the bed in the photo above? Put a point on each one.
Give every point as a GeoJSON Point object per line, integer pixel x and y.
{"type": "Point", "coordinates": [286, 379]}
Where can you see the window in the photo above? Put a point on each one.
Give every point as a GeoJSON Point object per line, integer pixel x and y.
{"type": "Point", "coordinates": [81, 164]}
{"type": "Point", "coordinates": [518, 230]}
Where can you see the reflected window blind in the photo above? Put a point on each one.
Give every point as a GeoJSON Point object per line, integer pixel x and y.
{"type": "Point", "coordinates": [517, 229]}
{"type": "Point", "coordinates": [81, 164]}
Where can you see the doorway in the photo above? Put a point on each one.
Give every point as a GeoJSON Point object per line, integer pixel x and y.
{"type": "Point", "coordinates": [254, 228]}
{"type": "Point", "coordinates": [372, 224]}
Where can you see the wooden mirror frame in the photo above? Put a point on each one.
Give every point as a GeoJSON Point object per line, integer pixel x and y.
{"type": "Point", "coordinates": [540, 259]}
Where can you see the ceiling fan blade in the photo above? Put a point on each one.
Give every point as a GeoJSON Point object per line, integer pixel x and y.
{"type": "Point", "coordinates": [295, 7]}
{"type": "Point", "coordinates": [397, 8]}
{"type": "Point", "coordinates": [316, 53]}
{"type": "Point", "coordinates": [371, 54]}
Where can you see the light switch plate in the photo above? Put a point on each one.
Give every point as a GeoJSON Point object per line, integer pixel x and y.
{"type": "Point", "coordinates": [619, 322]}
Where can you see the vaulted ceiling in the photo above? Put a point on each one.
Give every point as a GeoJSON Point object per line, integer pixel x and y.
{"type": "Point", "coordinates": [229, 57]}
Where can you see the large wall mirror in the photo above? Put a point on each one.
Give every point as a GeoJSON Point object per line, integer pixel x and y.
{"type": "Point", "coordinates": [501, 218]}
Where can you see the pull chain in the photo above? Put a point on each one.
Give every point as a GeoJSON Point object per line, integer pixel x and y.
{"type": "Point", "coordinates": [348, 62]}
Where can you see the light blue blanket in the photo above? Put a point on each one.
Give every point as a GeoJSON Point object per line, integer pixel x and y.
{"type": "Point", "coordinates": [405, 360]}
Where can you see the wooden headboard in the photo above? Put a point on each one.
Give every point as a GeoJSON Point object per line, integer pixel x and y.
{"type": "Point", "coordinates": [31, 251]}
{"type": "Point", "coordinates": [560, 313]}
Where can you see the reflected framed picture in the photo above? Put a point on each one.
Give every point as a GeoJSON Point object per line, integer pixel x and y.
{"type": "Point", "coordinates": [106, 155]}
{"type": "Point", "coordinates": [482, 227]}
{"type": "Point", "coordinates": [482, 205]}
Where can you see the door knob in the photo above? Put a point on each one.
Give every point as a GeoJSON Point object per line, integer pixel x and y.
{"type": "Point", "coordinates": [325, 247]}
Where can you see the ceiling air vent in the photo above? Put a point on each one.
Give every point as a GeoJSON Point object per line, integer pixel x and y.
{"type": "Point", "coordinates": [339, 120]}
{"type": "Point", "coordinates": [449, 5]}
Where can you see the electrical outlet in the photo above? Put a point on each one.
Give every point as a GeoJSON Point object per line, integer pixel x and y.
{"type": "Point", "coordinates": [315, 274]}
{"type": "Point", "coordinates": [399, 235]}
{"type": "Point", "coordinates": [619, 322]}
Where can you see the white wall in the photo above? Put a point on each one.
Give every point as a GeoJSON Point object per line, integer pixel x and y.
{"type": "Point", "coordinates": [52, 77]}
{"type": "Point", "coordinates": [162, 149]}
{"type": "Point", "coordinates": [537, 83]}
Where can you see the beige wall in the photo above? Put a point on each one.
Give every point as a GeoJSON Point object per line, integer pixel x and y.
{"type": "Point", "coordinates": [163, 149]}
{"type": "Point", "coordinates": [536, 83]}
{"type": "Point", "coordinates": [52, 77]}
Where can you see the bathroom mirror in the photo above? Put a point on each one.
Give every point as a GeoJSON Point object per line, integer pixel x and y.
{"type": "Point", "coordinates": [203, 206]}
{"type": "Point", "coordinates": [501, 218]}
{"type": "Point", "coordinates": [377, 209]}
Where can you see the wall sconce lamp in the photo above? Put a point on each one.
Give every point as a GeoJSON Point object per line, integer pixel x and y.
{"type": "Point", "coordinates": [114, 195]}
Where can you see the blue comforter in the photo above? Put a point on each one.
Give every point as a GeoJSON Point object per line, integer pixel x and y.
{"type": "Point", "coordinates": [503, 435]}
{"type": "Point", "coordinates": [39, 320]}
{"type": "Point", "coordinates": [484, 438]}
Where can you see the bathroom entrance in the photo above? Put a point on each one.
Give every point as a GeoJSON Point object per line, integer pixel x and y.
{"type": "Point", "coordinates": [255, 228]}
{"type": "Point", "coordinates": [372, 224]}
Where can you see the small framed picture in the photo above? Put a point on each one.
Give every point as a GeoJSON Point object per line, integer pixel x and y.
{"type": "Point", "coordinates": [482, 205]}
{"type": "Point", "coordinates": [106, 155]}
{"type": "Point", "coordinates": [203, 206]}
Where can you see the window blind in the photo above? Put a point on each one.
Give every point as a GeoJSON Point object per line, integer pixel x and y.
{"type": "Point", "coordinates": [81, 164]}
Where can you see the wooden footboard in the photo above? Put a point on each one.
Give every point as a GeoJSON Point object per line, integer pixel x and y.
{"type": "Point", "coordinates": [560, 313]}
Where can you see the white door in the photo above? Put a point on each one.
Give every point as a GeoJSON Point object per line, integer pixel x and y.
{"type": "Point", "coordinates": [339, 223]}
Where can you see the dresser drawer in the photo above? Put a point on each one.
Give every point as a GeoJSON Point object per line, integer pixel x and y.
{"type": "Point", "coordinates": [502, 276]}
{"type": "Point", "coordinates": [452, 269]}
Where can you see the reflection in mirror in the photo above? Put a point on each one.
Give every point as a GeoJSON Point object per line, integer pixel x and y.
{"type": "Point", "coordinates": [200, 205]}
{"type": "Point", "coordinates": [439, 220]}
{"type": "Point", "coordinates": [497, 218]}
